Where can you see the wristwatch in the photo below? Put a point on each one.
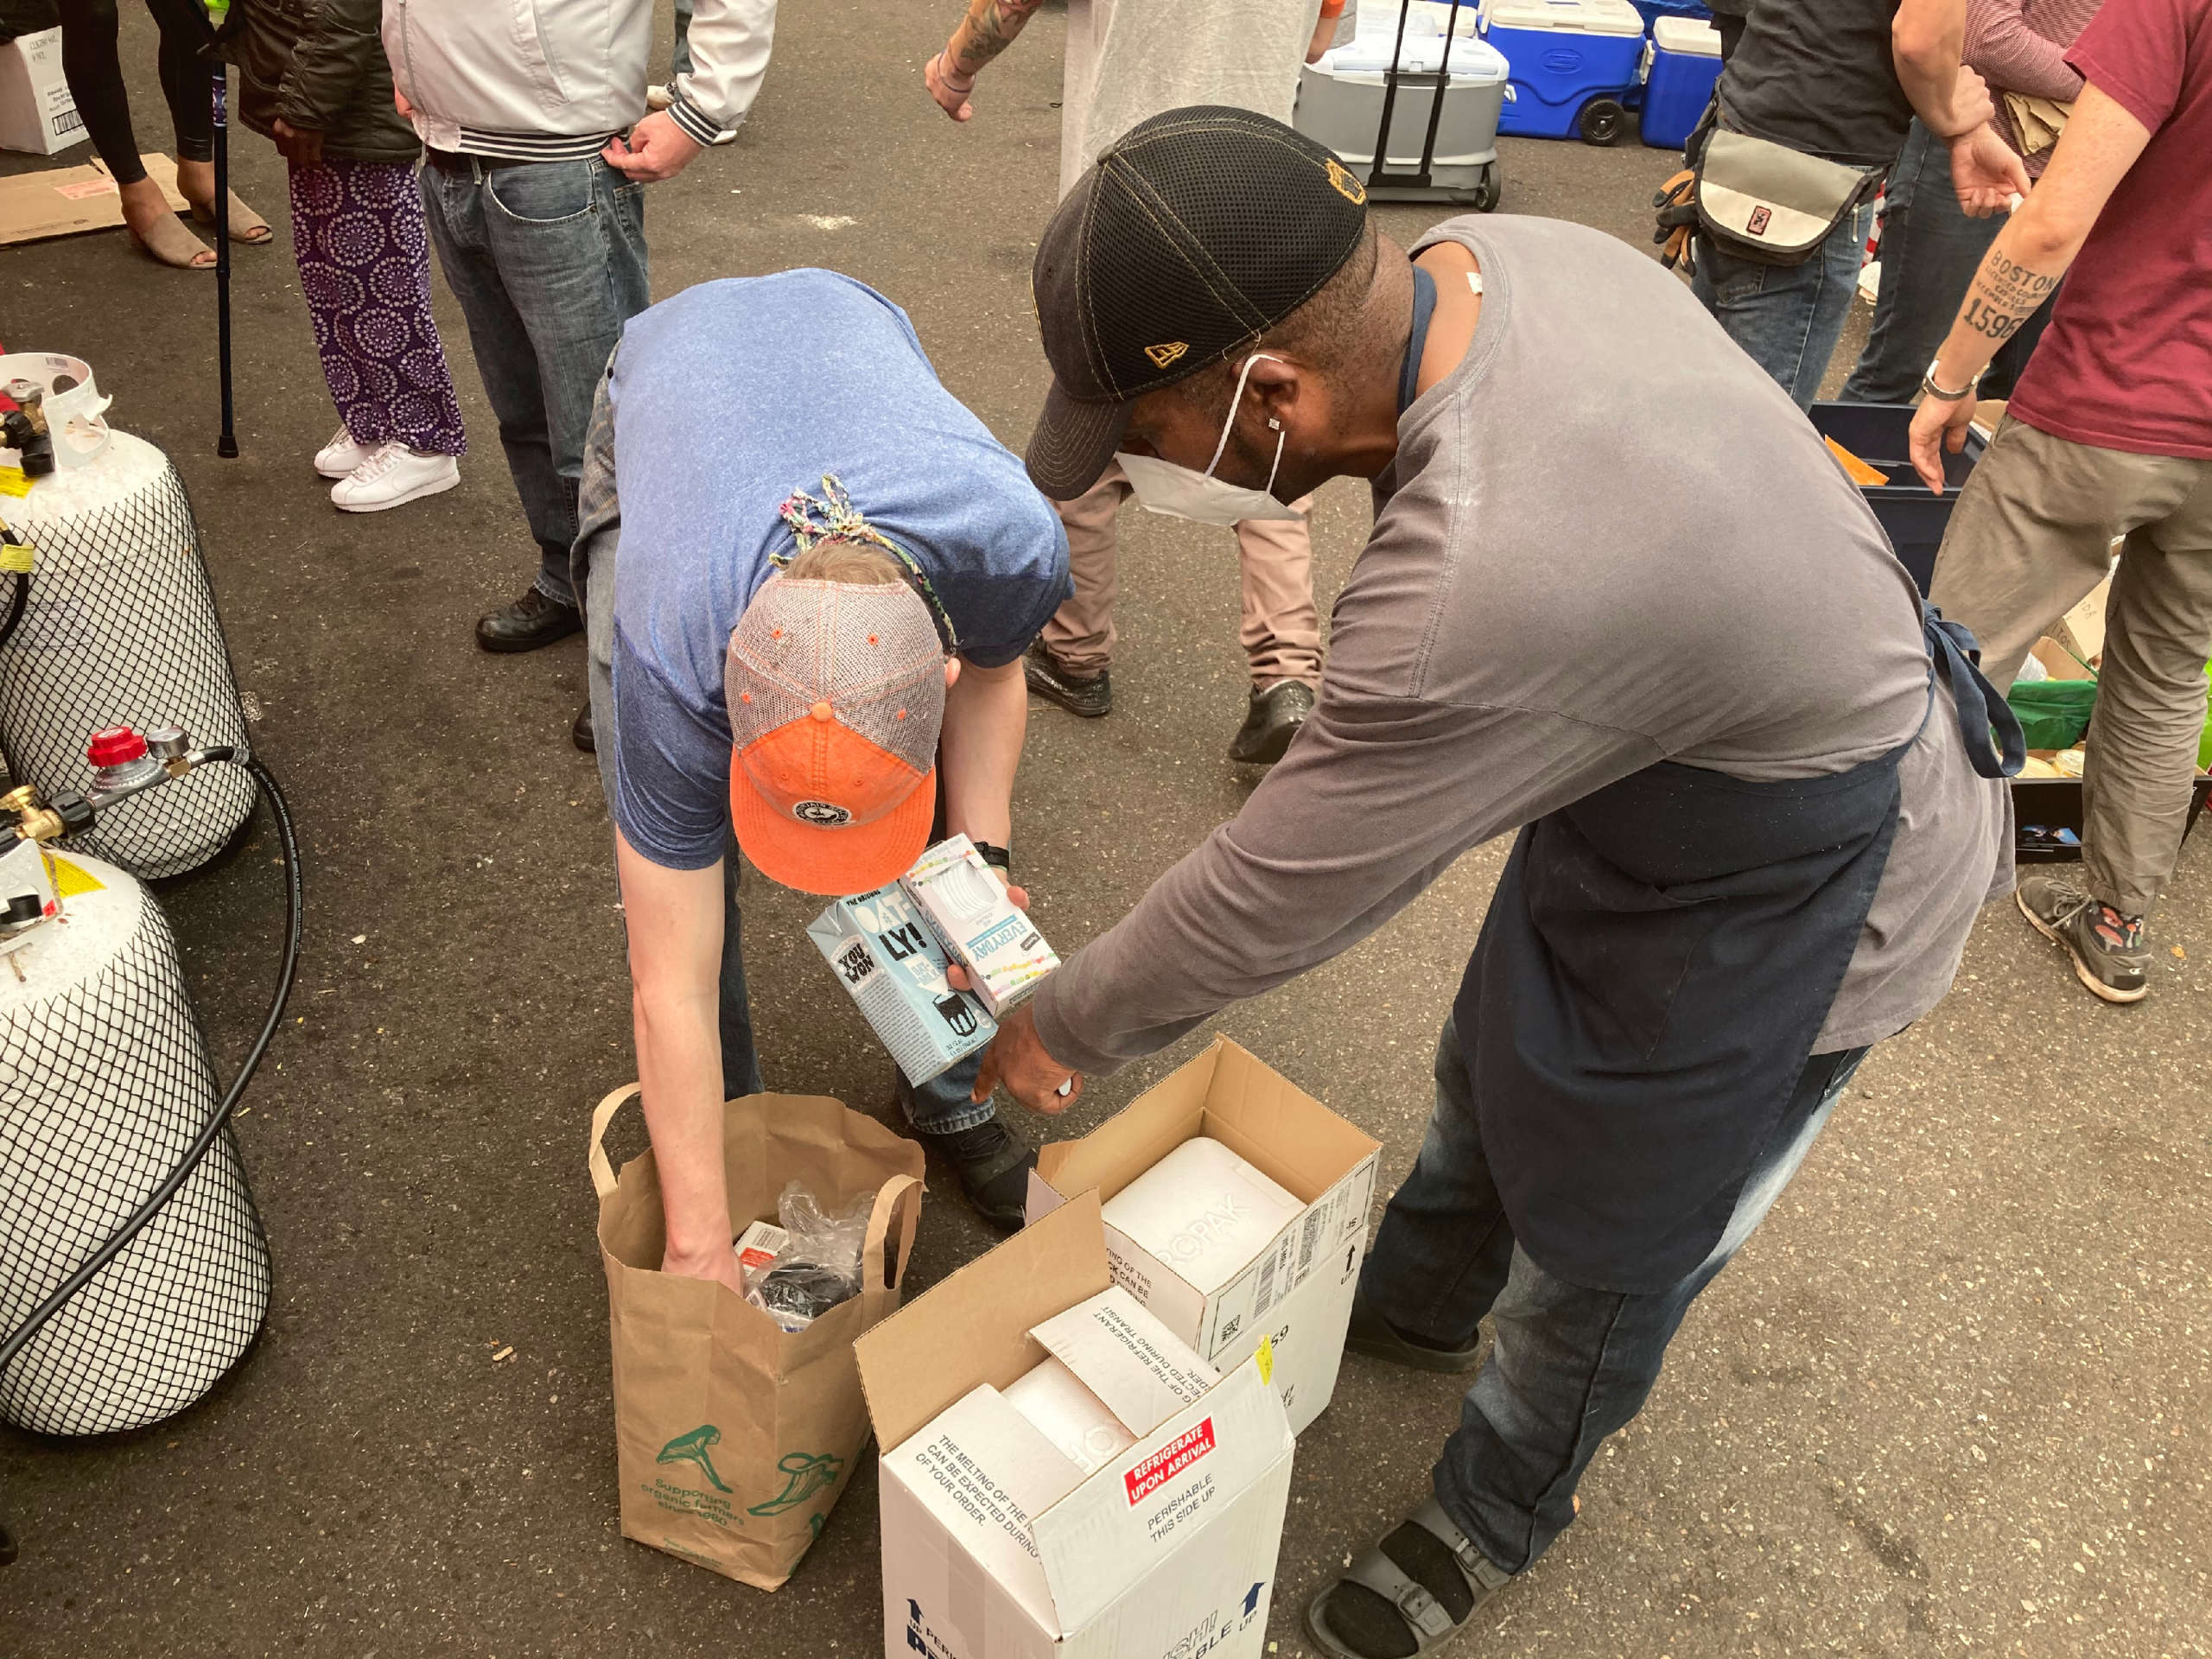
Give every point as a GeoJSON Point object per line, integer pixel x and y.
{"type": "Point", "coordinates": [1928, 385]}
{"type": "Point", "coordinates": [999, 858]}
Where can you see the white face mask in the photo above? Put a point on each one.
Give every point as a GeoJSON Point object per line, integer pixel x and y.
{"type": "Point", "coordinates": [1162, 486]}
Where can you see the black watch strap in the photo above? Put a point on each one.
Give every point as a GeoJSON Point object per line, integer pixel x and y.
{"type": "Point", "coordinates": [999, 858]}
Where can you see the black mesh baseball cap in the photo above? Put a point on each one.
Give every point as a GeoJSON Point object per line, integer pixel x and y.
{"type": "Point", "coordinates": [1196, 234]}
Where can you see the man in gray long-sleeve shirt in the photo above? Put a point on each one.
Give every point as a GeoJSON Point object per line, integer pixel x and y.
{"type": "Point", "coordinates": [1616, 597]}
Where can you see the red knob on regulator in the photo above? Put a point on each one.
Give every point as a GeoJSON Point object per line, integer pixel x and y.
{"type": "Point", "coordinates": [116, 747]}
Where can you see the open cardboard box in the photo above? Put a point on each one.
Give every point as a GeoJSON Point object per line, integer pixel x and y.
{"type": "Point", "coordinates": [1297, 1293]}
{"type": "Point", "coordinates": [995, 1546]}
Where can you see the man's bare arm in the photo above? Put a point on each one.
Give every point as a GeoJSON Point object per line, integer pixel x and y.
{"type": "Point", "coordinates": [2100, 143]}
{"type": "Point", "coordinates": [987, 31]}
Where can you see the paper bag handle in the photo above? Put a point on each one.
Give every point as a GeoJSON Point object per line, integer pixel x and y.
{"type": "Point", "coordinates": [892, 1206]}
{"type": "Point", "coordinates": [602, 1173]}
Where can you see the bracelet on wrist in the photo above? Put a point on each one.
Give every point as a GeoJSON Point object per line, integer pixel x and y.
{"type": "Point", "coordinates": [1944, 394]}
{"type": "Point", "coordinates": [944, 74]}
{"type": "Point", "coordinates": [999, 858]}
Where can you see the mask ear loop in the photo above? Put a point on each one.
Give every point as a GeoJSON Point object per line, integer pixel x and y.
{"type": "Point", "coordinates": [1229, 425]}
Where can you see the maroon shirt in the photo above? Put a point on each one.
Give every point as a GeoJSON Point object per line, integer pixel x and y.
{"type": "Point", "coordinates": [2127, 363]}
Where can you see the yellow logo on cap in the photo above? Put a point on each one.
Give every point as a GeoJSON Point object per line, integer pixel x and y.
{"type": "Point", "coordinates": [1347, 186]}
{"type": "Point", "coordinates": [1167, 353]}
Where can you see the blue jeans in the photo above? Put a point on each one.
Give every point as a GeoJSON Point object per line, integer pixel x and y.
{"type": "Point", "coordinates": [1787, 317]}
{"type": "Point", "coordinates": [1930, 250]}
{"type": "Point", "coordinates": [937, 1107]}
{"type": "Point", "coordinates": [548, 261]}
{"type": "Point", "coordinates": [1569, 1366]}
{"type": "Point", "coordinates": [680, 59]}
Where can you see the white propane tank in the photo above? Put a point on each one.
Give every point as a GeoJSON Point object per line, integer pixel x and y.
{"type": "Point", "coordinates": [104, 1083]}
{"type": "Point", "coordinates": [121, 630]}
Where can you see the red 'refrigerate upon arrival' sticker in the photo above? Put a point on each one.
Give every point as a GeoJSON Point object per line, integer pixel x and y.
{"type": "Point", "coordinates": [1170, 1460]}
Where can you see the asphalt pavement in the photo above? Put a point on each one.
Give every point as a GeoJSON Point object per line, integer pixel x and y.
{"type": "Point", "coordinates": [1952, 1399]}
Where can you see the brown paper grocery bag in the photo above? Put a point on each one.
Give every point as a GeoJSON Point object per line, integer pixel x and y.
{"type": "Point", "coordinates": [735, 1437]}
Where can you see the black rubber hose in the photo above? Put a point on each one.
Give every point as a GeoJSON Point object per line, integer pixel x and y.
{"type": "Point", "coordinates": [295, 894]}
{"type": "Point", "coordinates": [16, 606]}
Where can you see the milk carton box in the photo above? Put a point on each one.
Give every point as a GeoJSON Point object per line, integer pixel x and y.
{"type": "Point", "coordinates": [1235, 1210]}
{"type": "Point", "coordinates": [892, 965]}
{"type": "Point", "coordinates": [1004, 954]}
{"type": "Point", "coordinates": [1118, 1498]}
{"type": "Point", "coordinates": [36, 111]}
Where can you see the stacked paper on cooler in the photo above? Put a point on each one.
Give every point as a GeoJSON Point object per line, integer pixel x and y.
{"type": "Point", "coordinates": [1203, 1212]}
{"type": "Point", "coordinates": [1004, 954]}
{"type": "Point", "coordinates": [892, 965]}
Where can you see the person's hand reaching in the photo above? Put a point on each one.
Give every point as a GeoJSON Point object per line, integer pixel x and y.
{"type": "Point", "coordinates": [720, 1264]}
{"type": "Point", "coordinates": [1018, 1061]}
{"type": "Point", "coordinates": [951, 98]}
{"type": "Point", "coordinates": [1938, 425]}
{"type": "Point", "coordinates": [656, 150]}
{"type": "Point", "coordinates": [1987, 174]}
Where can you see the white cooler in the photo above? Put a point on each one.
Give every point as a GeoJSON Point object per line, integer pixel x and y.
{"type": "Point", "coordinates": [1342, 107]}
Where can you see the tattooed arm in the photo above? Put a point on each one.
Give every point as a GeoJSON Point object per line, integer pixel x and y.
{"type": "Point", "coordinates": [987, 31]}
{"type": "Point", "coordinates": [2100, 142]}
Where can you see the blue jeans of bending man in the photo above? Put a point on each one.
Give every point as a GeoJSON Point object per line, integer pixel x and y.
{"type": "Point", "coordinates": [1931, 248]}
{"type": "Point", "coordinates": [548, 261]}
{"type": "Point", "coordinates": [1569, 1366]}
{"type": "Point", "coordinates": [937, 1107]}
{"type": "Point", "coordinates": [1787, 318]}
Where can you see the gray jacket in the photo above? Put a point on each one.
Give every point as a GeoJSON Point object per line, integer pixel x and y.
{"type": "Point", "coordinates": [531, 80]}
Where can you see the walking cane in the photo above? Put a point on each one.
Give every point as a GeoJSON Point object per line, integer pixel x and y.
{"type": "Point", "coordinates": [227, 444]}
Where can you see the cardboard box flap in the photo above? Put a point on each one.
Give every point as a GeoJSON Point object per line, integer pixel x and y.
{"type": "Point", "coordinates": [1277, 1127]}
{"type": "Point", "coordinates": [986, 1474]}
{"type": "Point", "coordinates": [1118, 1525]}
{"type": "Point", "coordinates": [974, 1326]}
{"type": "Point", "coordinates": [1142, 1371]}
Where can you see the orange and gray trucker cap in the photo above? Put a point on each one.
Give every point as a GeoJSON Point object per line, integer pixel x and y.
{"type": "Point", "coordinates": [836, 694]}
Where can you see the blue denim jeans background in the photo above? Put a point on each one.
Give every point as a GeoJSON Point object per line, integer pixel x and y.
{"type": "Point", "coordinates": [680, 59]}
{"type": "Point", "coordinates": [548, 261]}
{"type": "Point", "coordinates": [1569, 1366]}
{"type": "Point", "coordinates": [937, 1107]}
{"type": "Point", "coordinates": [1930, 249]}
{"type": "Point", "coordinates": [1788, 317]}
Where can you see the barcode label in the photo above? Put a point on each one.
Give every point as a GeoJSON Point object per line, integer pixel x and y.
{"type": "Point", "coordinates": [1309, 1239]}
{"type": "Point", "coordinates": [1264, 1297]}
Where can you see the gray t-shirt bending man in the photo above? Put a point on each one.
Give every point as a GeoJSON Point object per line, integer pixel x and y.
{"type": "Point", "coordinates": [1618, 598]}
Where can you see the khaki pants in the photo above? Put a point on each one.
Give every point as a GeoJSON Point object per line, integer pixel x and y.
{"type": "Point", "coordinates": [1282, 628]}
{"type": "Point", "coordinates": [2028, 541]}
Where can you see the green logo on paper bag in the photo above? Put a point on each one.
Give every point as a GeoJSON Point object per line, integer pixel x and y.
{"type": "Point", "coordinates": [808, 1473]}
{"type": "Point", "coordinates": [692, 1448]}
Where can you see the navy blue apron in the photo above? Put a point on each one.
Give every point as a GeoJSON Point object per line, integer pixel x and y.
{"type": "Point", "coordinates": [1657, 964]}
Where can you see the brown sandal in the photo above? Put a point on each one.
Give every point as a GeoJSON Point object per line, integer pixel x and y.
{"type": "Point", "coordinates": [246, 225]}
{"type": "Point", "coordinates": [167, 241]}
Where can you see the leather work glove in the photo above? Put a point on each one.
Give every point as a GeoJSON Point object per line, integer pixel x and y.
{"type": "Point", "coordinates": [1677, 212]}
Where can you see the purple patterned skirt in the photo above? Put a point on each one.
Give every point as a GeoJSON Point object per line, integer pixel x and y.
{"type": "Point", "coordinates": [364, 268]}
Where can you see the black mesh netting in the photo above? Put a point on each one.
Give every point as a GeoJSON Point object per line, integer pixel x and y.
{"type": "Point", "coordinates": [104, 1083]}
{"type": "Point", "coordinates": [121, 630]}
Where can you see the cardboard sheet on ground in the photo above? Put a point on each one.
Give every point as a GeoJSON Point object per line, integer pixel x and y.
{"type": "Point", "coordinates": [64, 201]}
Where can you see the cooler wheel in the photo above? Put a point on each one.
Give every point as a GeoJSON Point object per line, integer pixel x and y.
{"type": "Point", "coordinates": [1601, 121]}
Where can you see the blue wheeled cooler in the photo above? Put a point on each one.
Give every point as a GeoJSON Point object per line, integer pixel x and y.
{"type": "Point", "coordinates": [1685, 64]}
{"type": "Point", "coordinates": [1577, 65]}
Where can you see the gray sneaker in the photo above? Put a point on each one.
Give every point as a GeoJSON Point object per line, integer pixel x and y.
{"type": "Point", "coordinates": [2109, 954]}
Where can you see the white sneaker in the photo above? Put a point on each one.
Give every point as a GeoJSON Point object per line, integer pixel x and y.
{"type": "Point", "coordinates": [393, 476]}
{"type": "Point", "coordinates": [341, 454]}
{"type": "Point", "coordinates": [658, 97]}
